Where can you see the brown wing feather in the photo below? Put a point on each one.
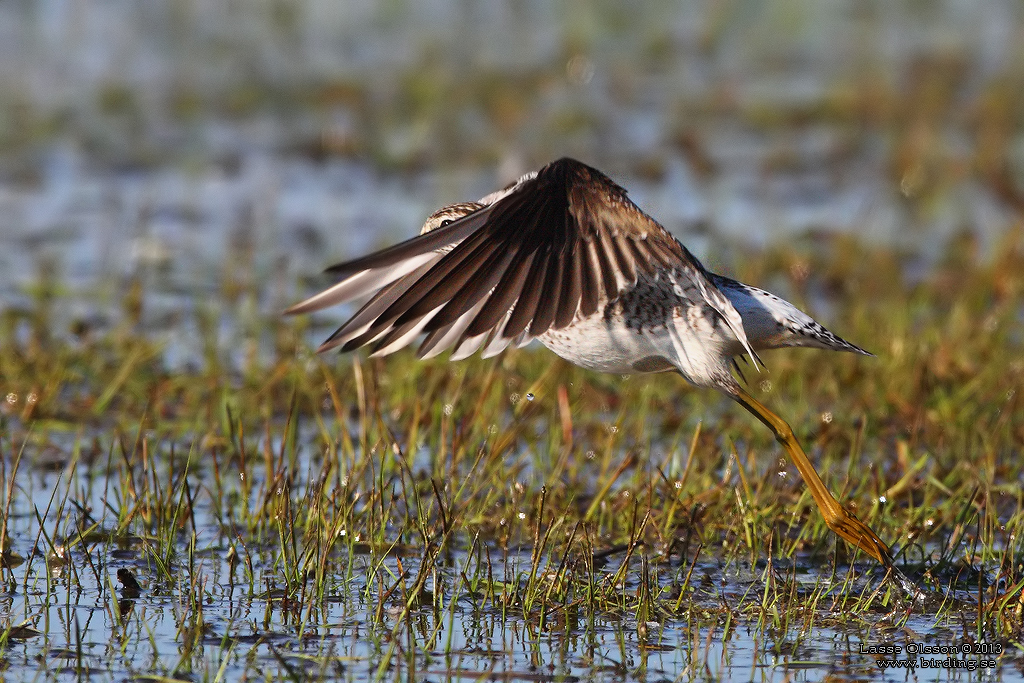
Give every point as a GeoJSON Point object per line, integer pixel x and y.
{"type": "Point", "coordinates": [505, 295]}
{"type": "Point", "coordinates": [421, 244]}
{"type": "Point", "coordinates": [526, 306]}
{"type": "Point", "coordinates": [483, 281]}
{"type": "Point", "coordinates": [448, 283]}
{"type": "Point", "coordinates": [572, 290]}
{"type": "Point", "coordinates": [442, 280]}
{"type": "Point", "coordinates": [590, 280]}
{"type": "Point", "coordinates": [552, 247]}
{"type": "Point", "coordinates": [547, 306]}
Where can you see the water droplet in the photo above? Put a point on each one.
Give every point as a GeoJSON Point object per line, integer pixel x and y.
{"type": "Point", "coordinates": [579, 69]}
{"type": "Point", "coordinates": [521, 515]}
{"type": "Point", "coordinates": [529, 397]}
{"type": "Point", "coordinates": [591, 455]}
{"type": "Point", "coordinates": [913, 179]}
{"type": "Point", "coordinates": [12, 398]}
{"type": "Point", "coordinates": [826, 417]}
{"type": "Point", "coordinates": [679, 485]}
{"type": "Point", "coordinates": [882, 499]}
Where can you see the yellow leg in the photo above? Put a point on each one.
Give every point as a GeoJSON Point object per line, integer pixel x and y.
{"type": "Point", "coordinates": [838, 518]}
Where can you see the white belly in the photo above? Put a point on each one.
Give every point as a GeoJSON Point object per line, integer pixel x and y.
{"type": "Point", "coordinates": [599, 344]}
{"type": "Point", "coordinates": [689, 343]}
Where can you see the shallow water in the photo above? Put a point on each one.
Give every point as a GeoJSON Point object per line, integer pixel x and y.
{"type": "Point", "coordinates": [256, 628]}
{"type": "Point", "coordinates": [221, 157]}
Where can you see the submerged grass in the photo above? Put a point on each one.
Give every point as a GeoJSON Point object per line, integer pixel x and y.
{"type": "Point", "coordinates": [437, 512]}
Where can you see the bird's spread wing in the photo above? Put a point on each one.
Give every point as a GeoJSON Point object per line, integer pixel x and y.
{"type": "Point", "coordinates": [554, 246]}
{"type": "Point", "coordinates": [369, 273]}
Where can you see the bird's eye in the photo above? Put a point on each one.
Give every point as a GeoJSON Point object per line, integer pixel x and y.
{"type": "Point", "coordinates": [446, 221]}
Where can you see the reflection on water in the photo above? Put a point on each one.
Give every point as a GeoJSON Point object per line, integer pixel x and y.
{"type": "Point", "coordinates": [248, 622]}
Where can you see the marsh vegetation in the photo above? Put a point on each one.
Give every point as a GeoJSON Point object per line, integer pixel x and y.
{"type": "Point", "coordinates": [190, 493]}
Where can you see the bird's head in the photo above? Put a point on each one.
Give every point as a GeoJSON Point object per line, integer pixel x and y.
{"type": "Point", "coordinates": [449, 214]}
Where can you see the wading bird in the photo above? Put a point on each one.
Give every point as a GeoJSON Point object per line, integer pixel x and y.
{"type": "Point", "coordinates": [564, 257]}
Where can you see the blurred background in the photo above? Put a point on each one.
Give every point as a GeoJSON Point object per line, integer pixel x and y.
{"type": "Point", "coordinates": [218, 155]}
